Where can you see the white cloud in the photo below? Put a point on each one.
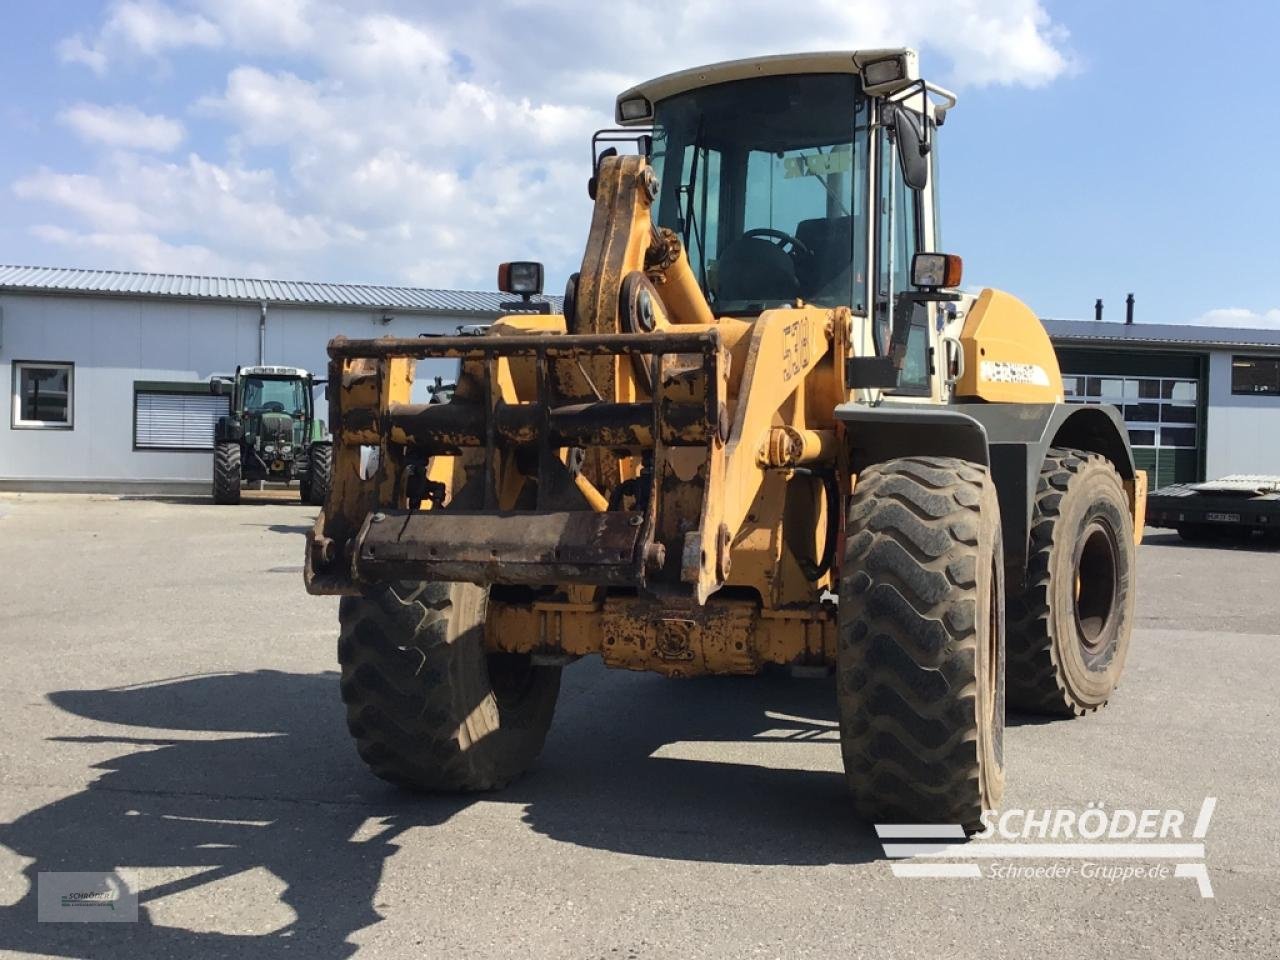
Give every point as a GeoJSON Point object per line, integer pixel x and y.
{"type": "Point", "coordinates": [123, 126]}
{"type": "Point", "coordinates": [140, 27]}
{"type": "Point", "coordinates": [263, 24]}
{"type": "Point", "coordinates": [73, 49]}
{"type": "Point", "coordinates": [422, 143]}
{"type": "Point", "coordinates": [141, 251]}
{"type": "Point", "coordinates": [82, 194]}
{"type": "Point", "coordinates": [1239, 317]}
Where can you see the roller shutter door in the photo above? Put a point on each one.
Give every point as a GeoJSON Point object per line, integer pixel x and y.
{"type": "Point", "coordinates": [176, 421]}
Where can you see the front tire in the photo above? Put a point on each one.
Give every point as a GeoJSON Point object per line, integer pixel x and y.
{"type": "Point", "coordinates": [921, 643]}
{"type": "Point", "coordinates": [1069, 626]}
{"type": "Point", "coordinates": [319, 473]}
{"type": "Point", "coordinates": [226, 473]}
{"type": "Point", "coordinates": [427, 707]}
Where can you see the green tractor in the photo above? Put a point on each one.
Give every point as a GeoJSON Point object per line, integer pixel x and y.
{"type": "Point", "coordinates": [271, 434]}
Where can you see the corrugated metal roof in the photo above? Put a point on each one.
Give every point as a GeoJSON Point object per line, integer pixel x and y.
{"type": "Point", "coordinates": [1169, 334]}
{"type": "Point", "coordinates": [59, 280]}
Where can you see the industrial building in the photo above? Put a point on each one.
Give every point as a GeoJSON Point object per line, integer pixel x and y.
{"type": "Point", "coordinates": [1200, 402]}
{"type": "Point", "coordinates": [109, 371]}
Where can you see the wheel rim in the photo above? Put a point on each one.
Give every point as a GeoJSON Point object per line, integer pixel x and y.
{"type": "Point", "coordinates": [995, 682]}
{"type": "Point", "coordinates": [993, 648]}
{"type": "Point", "coordinates": [1096, 584]}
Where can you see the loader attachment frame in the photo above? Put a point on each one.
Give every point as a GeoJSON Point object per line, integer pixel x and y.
{"type": "Point", "coordinates": [518, 512]}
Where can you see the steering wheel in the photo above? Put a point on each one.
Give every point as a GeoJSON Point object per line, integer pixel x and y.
{"type": "Point", "coordinates": [784, 239]}
{"type": "Point", "coordinates": [273, 406]}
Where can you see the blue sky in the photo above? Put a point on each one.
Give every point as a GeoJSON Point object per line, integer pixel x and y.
{"type": "Point", "coordinates": [1099, 148]}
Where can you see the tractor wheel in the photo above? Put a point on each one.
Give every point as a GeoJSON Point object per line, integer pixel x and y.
{"type": "Point", "coordinates": [921, 643]}
{"type": "Point", "coordinates": [319, 474]}
{"type": "Point", "coordinates": [427, 707]}
{"type": "Point", "coordinates": [226, 473]}
{"type": "Point", "coordinates": [1069, 626]}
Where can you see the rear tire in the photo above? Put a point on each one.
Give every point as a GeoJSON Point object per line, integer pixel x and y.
{"type": "Point", "coordinates": [319, 474]}
{"type": "Point", "coordinates": [1069, 627]}
{"type": "Point", "coordinates": [921, 643]}
{"type": "Point", "coordinates": [427, 707]}
{"type": "Point", "coordinates": [226, 473]}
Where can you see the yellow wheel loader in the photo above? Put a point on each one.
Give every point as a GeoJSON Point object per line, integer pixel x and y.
{"type": "Point", "coordinates": [767, 428]}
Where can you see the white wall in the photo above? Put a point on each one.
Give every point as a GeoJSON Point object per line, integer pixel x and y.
{"type": "Point", "coordinates": [114, 341]}
{"type": "Point", "coordinates": [1243, 433]}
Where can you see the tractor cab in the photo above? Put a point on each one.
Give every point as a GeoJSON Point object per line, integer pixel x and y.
{"type": "Point", "coordinates": [278, 399]}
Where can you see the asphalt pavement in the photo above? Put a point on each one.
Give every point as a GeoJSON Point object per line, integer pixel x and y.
{"type": "Point", "coordinates": [169, 710]}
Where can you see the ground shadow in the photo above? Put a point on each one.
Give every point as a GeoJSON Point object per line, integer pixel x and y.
{"type": "Point", "coordinates": [300, 529]}
{"type": "Point", "coordinates": [1253, 543]}
{"type": "Point", "coordinates": [248, 498]}
{"type": "Point", "coordinates": [282, 790]}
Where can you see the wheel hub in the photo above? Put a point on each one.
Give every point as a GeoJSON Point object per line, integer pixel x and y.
{"type": "Point", "coordinates": [1096, 584]}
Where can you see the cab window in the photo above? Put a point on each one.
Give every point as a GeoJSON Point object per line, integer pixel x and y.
{"type": "Point", "coordinates": [765, 181]}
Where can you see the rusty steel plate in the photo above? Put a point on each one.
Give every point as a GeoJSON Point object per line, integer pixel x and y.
{"type": "Point", "coordinates": [514, 548]}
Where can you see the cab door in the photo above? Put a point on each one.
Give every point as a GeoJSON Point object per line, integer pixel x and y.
{"type": "Point", "coordinates": [905, 225]}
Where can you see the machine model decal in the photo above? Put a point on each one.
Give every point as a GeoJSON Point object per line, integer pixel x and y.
{"type": "Point", "coordinates": [1002, 371]}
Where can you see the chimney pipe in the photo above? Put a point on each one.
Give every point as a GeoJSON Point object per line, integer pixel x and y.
{"type": "Point", "coordinates": [1097, 309]}
{"type": "Point", "coordinates": [1128, 310]}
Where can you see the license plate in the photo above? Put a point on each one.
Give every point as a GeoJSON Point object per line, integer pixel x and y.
{"type": "Point", "coordinates": [1222, 517]}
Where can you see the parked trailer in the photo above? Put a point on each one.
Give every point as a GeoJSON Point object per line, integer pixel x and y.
{"type": "Point", "coordinates": [1238, 506]}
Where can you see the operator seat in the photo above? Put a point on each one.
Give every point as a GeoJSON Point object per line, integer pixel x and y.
{"type": "Point", "coordinates": [756, 269]}
{"type": "Point", "coordinates": [824, 277]}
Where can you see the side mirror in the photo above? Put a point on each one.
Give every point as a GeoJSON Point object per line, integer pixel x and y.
{"type": "Point", "coordinates": [913, 151]}
{"type": "Point", "coordinates": [217, 387]}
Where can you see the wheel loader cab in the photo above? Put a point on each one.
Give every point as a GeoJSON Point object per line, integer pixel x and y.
{"type": "Point", "coordinates": [765, 182]}
{"type": "Point", "coordinates": [791, 188]}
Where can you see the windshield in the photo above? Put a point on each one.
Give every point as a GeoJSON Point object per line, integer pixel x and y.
{"type": "Point", "coordinates": [764, 180]}
{"type": "Point", "coordinates": [269, 395]}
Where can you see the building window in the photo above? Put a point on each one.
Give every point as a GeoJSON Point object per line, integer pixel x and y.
{"type": "Point", "coordinates": [175, 416]}
{"type": "Point", "coordinates": [1255, 375]}
{"type": "Point", "coordinates": [1147, 405]}
{"type": "Point", "coordinates": [43, 395]}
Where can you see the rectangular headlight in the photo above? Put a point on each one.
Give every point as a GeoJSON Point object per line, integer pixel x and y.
{"type": "Point", "coordinates": [934, 270]}
{"type": "Point", "coordinates": [521, 276]}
